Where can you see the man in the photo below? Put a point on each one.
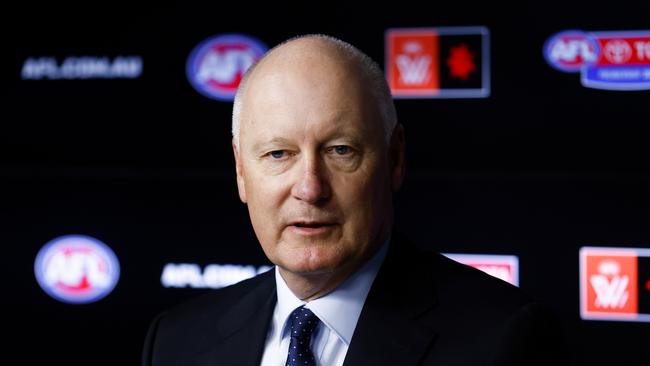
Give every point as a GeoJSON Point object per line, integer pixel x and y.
{"type": "Point", "coordinates": [318, 155]}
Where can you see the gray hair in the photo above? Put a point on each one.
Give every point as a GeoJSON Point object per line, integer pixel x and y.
{"type": "Point", "coordinates": [379, 88]}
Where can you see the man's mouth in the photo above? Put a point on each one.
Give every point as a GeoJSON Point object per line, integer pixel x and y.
{"type": "Point", "coordinates": [311, 227]}
{"type": "Point", "coordinates": [311, 224]}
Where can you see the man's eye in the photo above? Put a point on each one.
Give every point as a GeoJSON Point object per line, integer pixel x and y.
{"type": "Point", "coordinates": [342, 149]}
{"type": "Point", "coordinates": [277, 154]}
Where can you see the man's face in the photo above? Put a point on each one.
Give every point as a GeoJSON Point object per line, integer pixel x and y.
{"type": "Point", "coordinates": [313, 168]}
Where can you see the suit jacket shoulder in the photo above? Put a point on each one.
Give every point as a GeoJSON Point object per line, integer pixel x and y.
{"type": "Point", "coordinates": [214, 327]}
{"type": "Point", "coordinates": [425, 309]}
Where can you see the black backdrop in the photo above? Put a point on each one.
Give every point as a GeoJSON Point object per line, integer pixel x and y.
{"type": "Point", "coordinates": [539, 169]}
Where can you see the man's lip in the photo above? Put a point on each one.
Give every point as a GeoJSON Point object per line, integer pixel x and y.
{"type": "Point", "coordinates": [311, 224]}
{"type": "Point", "coordinates": [311, 228]}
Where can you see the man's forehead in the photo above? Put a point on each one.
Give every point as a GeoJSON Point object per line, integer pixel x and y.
{"type": "Point", "coordinates": [276, 128]}
{"type": "Point", "coordinates": [305, 96]}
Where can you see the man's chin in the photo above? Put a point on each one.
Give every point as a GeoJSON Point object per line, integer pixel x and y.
{"type": "Point", "coordinates": [311, 261]}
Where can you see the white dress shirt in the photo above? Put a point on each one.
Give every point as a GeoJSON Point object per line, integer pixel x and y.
{"type": "Point", "coordinates": [338, 311]}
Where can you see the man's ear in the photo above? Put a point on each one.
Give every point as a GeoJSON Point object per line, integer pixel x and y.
{"type": "Point", "coordinates": [397, 151]}
{"type": "Point", "coordinates": [241, 187]}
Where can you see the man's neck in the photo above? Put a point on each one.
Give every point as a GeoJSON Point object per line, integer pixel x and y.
{"type": "Point", "coordinates": [308, 287]}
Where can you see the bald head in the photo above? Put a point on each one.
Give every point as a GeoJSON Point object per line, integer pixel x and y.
{"type": "Point", "coordinates": [318, 60]}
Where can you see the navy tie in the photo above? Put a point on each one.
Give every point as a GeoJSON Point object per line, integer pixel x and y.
{"type": "Point", "coordinates": [303, 324]}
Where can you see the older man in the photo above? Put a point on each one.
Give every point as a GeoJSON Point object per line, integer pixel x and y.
{"type": "Point", "coordinates": [318, 155]}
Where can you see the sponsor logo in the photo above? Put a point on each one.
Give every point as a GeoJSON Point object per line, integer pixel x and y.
{"type": "Point", "coordinates": [615, 284]}
{"type": "Point", "coordinates": [447, 62]}
{"type": "Point", "coordinates": [82, 68]}
{"type": "Point", "coordinates": [505, 267]}
{"type": "Point", "coordinates": [605, 60]}
{"type": "Point", "coordinates": [181, 275]}
{"type": "Point", "coordinates": [216, 66]}
{"type": "Point", "coordinates": [76, 269]}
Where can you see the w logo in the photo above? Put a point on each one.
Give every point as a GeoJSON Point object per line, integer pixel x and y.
{"type": "Point", "coordinates": [413, 70]}
{"type": "Point", "coordinates": [610, 287]}
{"type": "Point", "coordinates": [609, 280]}
{"type": "Point", "coordinates": [413, 62]}
{"type": "Point", "coordinates": [426, 63]}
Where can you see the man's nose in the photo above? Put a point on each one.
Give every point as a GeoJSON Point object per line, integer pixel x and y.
{"type": "Point", "coordinates": [312, 185]}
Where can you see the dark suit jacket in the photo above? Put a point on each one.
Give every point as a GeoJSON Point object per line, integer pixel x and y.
{"type": "Point", "coordinates": [422, 309]}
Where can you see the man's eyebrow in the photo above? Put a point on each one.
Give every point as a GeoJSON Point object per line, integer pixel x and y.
{"type": "Point", "coordinates": [270, 143]}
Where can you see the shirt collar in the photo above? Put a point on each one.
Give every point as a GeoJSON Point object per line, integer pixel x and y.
{"type": "Point", "coordinates": [339, 310]}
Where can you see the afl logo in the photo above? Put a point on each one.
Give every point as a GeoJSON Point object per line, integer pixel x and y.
{"type": "Point", "coordinates": [216, 66]}
{"type": "Point", "coordinates": [568, 51]}
{"type": "Point", "coordinates": [76, 269]}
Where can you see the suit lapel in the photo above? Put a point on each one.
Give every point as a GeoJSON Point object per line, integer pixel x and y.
{"type": "Point", "coordinates": [396, 326]}
{"type": "Point", "coordinates": [240, 334]}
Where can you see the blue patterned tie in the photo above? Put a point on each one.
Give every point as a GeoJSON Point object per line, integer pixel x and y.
{"type": "Point", "coordinates": [303, 324]}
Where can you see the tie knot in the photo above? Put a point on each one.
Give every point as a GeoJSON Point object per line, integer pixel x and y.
{"type": "Point", "coordinates": [303, 323]}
